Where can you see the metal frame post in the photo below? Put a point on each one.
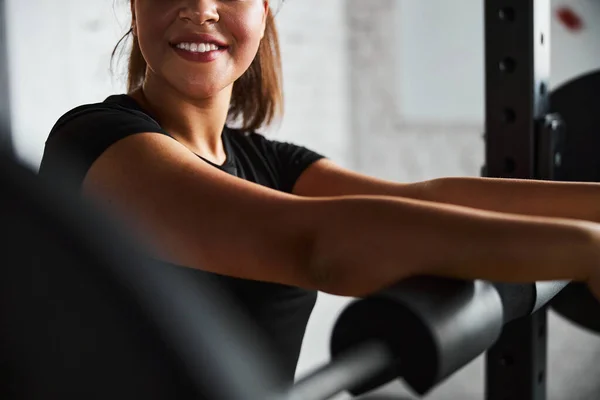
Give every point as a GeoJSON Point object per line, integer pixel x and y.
{"type": "Point", "coordinates": [5, 124]}
{"type": "Point", "coordinates": [517, 66]}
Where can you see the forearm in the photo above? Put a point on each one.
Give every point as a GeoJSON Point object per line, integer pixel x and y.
{"type": "Point", "coordinates": [365, 244]}
{"type": "Point", "coordinates": [526, 197]}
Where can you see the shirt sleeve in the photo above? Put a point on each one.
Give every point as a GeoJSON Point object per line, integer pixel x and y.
{"type": "Point", "coordinates": [289, 160]}
{"type": "Point", "coordinates": [80, 137]}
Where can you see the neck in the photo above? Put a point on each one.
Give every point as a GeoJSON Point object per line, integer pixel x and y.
{"type": "Point", "coordinates": [195, 123]}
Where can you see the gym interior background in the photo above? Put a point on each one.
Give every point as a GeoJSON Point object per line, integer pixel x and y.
{"type": "Point", "coordinates": [393, 88]}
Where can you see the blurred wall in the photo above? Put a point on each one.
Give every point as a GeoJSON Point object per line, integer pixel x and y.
{"type": "Point", "coordinates": [392, 88]}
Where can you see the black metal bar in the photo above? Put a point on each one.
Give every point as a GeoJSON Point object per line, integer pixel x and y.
{"type": "Point", "coordinates": [343, 373]}
{"type": "Point", "coordinates": [517, 64]}
{"type": "Point", "coordinates": [517, 70]}
{"type": "Point", "coordinates": [5, 125]}
{"type": "Point", "coordinates": [516, 364]}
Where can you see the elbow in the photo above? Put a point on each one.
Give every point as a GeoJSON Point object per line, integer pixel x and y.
{"type": "Point", "coordinates": [345, 259]}
{"type": "Point", "coordinates": [323, 271]}
{"type": "Point", "coordinates": [328, 279]}
{"type": "Point", "coordinates": [349, 282]}
{"type": "Point", "coordinates": [316, 272]}
{"type": "Point", "coordinates": [352, 276]}
{"type": "Point", "coordinates": [325, 277]}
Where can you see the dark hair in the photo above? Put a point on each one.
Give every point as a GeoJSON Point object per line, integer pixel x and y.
{"type": "Point", "coordinates": [257, 98]}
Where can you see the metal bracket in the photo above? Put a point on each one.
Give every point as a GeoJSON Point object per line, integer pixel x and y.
{"type": "Point", "coordinates": [550, 144]}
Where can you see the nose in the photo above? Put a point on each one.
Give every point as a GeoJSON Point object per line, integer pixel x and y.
{"type": "Point", "coordinates": [200, 12]}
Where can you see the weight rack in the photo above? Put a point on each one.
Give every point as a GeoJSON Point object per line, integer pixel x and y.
{"type": "Point", "coordinates": [522, 141]}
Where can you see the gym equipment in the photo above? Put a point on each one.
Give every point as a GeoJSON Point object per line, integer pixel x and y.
{"type": "Point", "coordinates": [522, 140]}
{"type": "Point", "coordinates": [577, 304]}
{"type": "Point", "coordinates": [5, 139]}
{"type": "Point", "coordinates": [421, 330]}
{"type": "Point", "coordinates": [85, 315]}
{"type": "Point", "coordinates": [579, 162]}
{"type": "Point", "coordinates": [531, 134]}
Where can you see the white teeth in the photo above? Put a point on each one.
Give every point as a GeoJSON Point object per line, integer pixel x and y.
{"type": "Point", "coordinates": [197, 47]}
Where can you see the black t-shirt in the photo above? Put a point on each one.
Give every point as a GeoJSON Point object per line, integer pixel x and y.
{"type": "Point", "coordinates": [85, 132]}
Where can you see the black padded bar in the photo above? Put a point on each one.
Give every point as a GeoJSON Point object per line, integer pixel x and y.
{"type": "Point", "coordinates": [517, 69]}
{"type": "Point", "coordinates": [343, 372]}
{"type": "Point", "coordinates": [521, 300]}
{"type": "Point", "coordinates": [5, 137]}
{"type": "Point", "coordinates": [428, 326]}
{"type": "Point", "coordinates": [432, 326]}
{"type": "Point", "coordinates": [545, 292]}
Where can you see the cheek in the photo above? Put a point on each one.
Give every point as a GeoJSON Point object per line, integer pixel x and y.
{"type": "Point", "coordinates": [152, 23]}
{"type": "Point", "coordinates": [246, 30]}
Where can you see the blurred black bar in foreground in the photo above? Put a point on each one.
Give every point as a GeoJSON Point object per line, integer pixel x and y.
{"type": "Point", "coordinates": [5, 137]}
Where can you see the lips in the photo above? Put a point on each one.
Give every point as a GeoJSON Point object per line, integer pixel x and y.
{"type": "Point", "coordinates": [198, 38]}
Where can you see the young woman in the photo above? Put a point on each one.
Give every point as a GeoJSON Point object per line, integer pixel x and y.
{"type": "Point", "coordinates": [276, 222]}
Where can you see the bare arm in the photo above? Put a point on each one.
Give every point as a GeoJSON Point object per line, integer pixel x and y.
{"type": "Point", "coordinates": [191, 214]}
{"type": "Point", "coordinates": [367, 243]}
{"type": "Point", "coordinates": [574, 200]}
{"type": "Point", "coordinates": [197, 216]}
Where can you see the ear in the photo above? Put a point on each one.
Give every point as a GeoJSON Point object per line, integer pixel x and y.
{"type": "Point", "coordinates": [266, 12]}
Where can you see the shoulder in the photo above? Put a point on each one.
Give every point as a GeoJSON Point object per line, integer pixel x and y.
{"type": "Point", "coordinates": [116, 112]}
{"type": "Point", "coordinates": [84, 133]}
{"type": "Point", "coordinates": [91, 128]}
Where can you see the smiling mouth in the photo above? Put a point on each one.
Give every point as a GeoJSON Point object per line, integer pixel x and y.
{"type": "Point", "coordinates": [198, 47]}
